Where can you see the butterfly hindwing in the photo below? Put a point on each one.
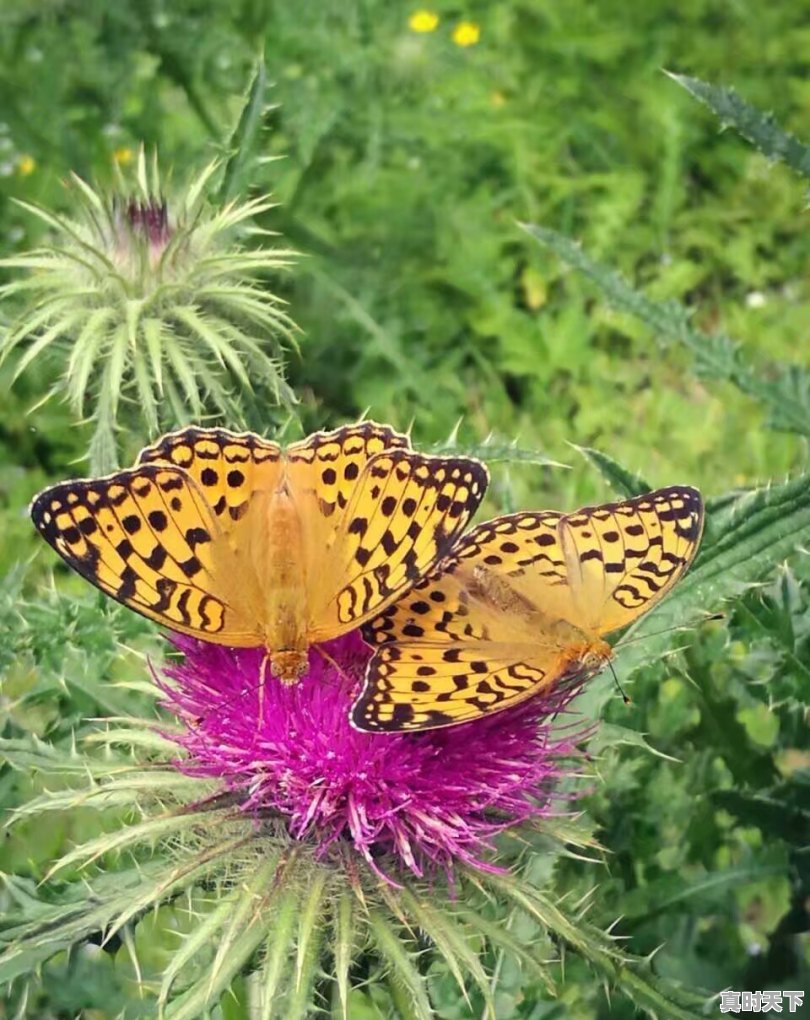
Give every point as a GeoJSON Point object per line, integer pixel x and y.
{"type": "Point", "coordinates": [475, 592]}
{"type": "Point", "coordinates": [520, 605]}
{"type": "Point", "coordinates": [427, 686]}
{"type": "Point", "coordinates": [143, 536]}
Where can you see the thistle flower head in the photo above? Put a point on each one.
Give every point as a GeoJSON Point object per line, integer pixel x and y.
{"type": "Point", "coordinates": [157, 286]}
{"type": "Point", "coordinates": [293, 888]}
{"type": "Point", "coordinates": [419, 801]}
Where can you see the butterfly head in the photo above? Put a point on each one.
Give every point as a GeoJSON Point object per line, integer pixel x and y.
{"type": "Point", "coordinates": [289, 666]}
{"type": "Point", "coordinates": [587, 655]}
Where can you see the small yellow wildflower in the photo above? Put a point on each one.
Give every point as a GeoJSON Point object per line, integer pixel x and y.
{"type": "Point", "coordinates": [423, 21]}
{"type": "Point", "coordinates": [466, 33]}
{"type": "Point", "coordinates": [123, 156]}
{"type": "Point", "coordinates": [497, 98]}
{"type": "Point", "coordinates": [26, 165]}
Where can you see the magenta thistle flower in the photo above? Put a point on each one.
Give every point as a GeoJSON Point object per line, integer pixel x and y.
{"type": "Point", "coordinates": [426, 801]}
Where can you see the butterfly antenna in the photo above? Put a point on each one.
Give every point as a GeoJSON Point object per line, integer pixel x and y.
{"type": "Point", "coordinates": [619, 687]}
{"type": "Point", "coordinates": [643, 637]}
{"type": "Point", "coordinates": [673, 630]}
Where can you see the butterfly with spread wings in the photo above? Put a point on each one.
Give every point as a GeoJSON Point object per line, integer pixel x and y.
{"type": "Point", "coordinates": [232, 539]}
{"type": "Point", "coordinates": [521, 603]}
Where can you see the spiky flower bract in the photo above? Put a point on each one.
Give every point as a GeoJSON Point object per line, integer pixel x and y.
{"type": "Point", "coordinates": [150, 299]}
{"type": "Point", "coordinates": [418, 801]}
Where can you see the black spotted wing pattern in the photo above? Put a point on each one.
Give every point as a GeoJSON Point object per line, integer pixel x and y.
{"type": "Point", "coordinates": [520, 606]}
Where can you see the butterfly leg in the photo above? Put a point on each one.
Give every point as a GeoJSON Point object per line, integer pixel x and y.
{"type": "Point", "coordinates": [262, 681]}
{"type": "Point", "coordinates": [350, 684]}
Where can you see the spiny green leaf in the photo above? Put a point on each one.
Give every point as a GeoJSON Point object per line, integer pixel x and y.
{"type": "Point", "coordinates": [252, 909]}
{"type": "Point", "coordinates": [499, 937]}
{"type": "Point", "coordinates": [244, 142]}
{"type": "Point", "coordinates": [54, 332]}
{"type": "Point", "coordinates": [201, 940]}
{"type": "Point", "coordinates": [344, 941]}
{"type": "Point", "coordinates": [758, 127]}
{"type": "Point", "coordinates": [196, 190]}
{"type": "Point", "coordinates": [626, 483]}
{"type": "Point", "coordinates": [211, 334]}
{"type": "Point", "coordinates": [146, 394]}
{"type": "Point", "coordinates": [451, 940]}
{"type": "Point", "coordinates": [493, 452]}
{"type": "Point", "coordinates": [46, 928]}
{"type": "Point", "coordinates": [125, 791]}
{"type": "Point", "coordinates": [309, 920]}
{"type": "Point", "coordinates": [86, 354]}
{"type": "Point", "coordinates": [278, 950]}
{"type": "Point", "coordinates": [205, 993]}
{"type": "Point", "coordinates": [103, 452]}
{"type": "Point", "coordinates": [173, 880]}
{"type": "Point", "coordinates": [403, 970]}
{"type": "Point", "coordinates": [143, 737]}
{"type": "Point", "coordinates": [311, 923]}
{"type": "Point", "coordinates": [628, 973]}
{"type": "Point", "coordinates": [178, 359]}
{"type": "Point", "coordinates": [149, 831]}
{"type": "Point", "coordinates": [153, 334]}
{"type": "Point", "coordinates": [784, 390]}
{"type": "Point", "coordinates": [771, 815]}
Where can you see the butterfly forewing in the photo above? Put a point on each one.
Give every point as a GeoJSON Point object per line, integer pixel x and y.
{"type": "Point", "coordinates": [228, 467]}
{"type": "Point", "coordinates": [623, 557]}
{"type": "Point", "coordinates": [324, 468]}
{"type": "Point", "coordinates": [404, 515]}
{"type": "Point", "coordinates": [144, 536]}
{"type": "Point", "coordinates": [519, 606]}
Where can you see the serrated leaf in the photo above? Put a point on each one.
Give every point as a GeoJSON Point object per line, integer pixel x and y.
{"type": "Point", "coordinates": [784, 390]}
{"type": "Point", "coordinates": [41, 929]}
{"type": "Point", "coordinates": [772, 816]}
{"type": "Point", "coordinates": [756, 126]}
{"type": "Point", "coordinates": [401, 963]}
{"type": "Point", "coordinates": [243, 143]}
{"type": "Point", "coordinates": [625, 482]}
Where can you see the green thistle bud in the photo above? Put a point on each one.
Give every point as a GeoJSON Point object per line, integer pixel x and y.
{"type": "Point", "coordinates": [151, 305]}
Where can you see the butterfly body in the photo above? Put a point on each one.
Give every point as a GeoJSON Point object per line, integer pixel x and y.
{"type": "Point", "coordinates": [276, 549]}
{"type": "Point", "coordinates": [234, 540]}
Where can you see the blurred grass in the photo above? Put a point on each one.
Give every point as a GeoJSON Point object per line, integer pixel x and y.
{"type": "Point", "coordinates": [407, 164]}
{"type": "Point", "coordinates": [408, 161]}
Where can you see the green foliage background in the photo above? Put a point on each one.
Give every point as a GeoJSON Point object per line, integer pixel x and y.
{"type": "Point", "coordinates": [408, 163]}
